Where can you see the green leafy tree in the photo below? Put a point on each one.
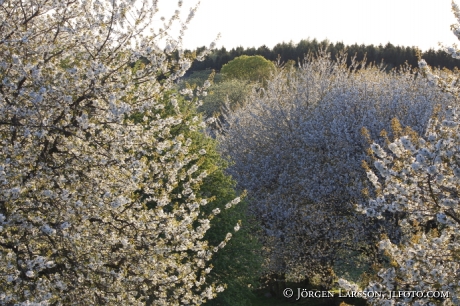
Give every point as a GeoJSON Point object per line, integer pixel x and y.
{"type": "Point", "coordinates": [197, 78]}
{"type": "Point", "coordinates": [239, 268]}
{"type": "Point", "coordinates": [251, 68]}
{"type": "Point", "coordinates": [231, 92]}
{"type": "Point", "coordinates": [220, 94]}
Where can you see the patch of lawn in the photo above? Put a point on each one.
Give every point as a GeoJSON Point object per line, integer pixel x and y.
{"type": "Point", "coordinates": [262, 300]}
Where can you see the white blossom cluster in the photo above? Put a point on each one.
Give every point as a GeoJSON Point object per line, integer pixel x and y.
{"type": "Point", "coordinates": [420, 180]}
{"type": "Point", "coordinates": [297, 148]}
{"type": "Point", "coordinates": [77, 172]}
{"type": "Point", "coordinates": [447, 80]}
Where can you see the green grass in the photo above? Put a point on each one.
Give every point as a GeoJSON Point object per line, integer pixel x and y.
{"type": "Point", "coordinates": [262, 300]}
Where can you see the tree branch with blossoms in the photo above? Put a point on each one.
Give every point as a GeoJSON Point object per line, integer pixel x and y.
{"type": "Point", "coordinates": [88, 206]}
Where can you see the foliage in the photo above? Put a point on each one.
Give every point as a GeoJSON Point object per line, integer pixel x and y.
{"type": "Point", "coordinates": [197, 78]}
{"type": "Point", "coordinates": [88, 142]}
{"type": "Point", "coordinates": [227, 94]}
{"type": "Point", "coordinates": [297, 148]}
{"type": "Point", "coordinates": [248, 68]}
{"type": "Point", "coordinates": [238, 265]}
{"type": "Point", "coordinates": [221, 94]}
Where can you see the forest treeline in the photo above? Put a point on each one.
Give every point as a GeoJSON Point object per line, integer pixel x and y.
{"type": "Point", "coordinates": [389, 54]}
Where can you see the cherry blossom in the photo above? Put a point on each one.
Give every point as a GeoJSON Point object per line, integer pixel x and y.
{"type": "Point", "coordinates": [78, 170]}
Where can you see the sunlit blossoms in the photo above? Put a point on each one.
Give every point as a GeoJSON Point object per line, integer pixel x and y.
{"type": "Point", "coordinates": [447, 80]}
{"type": "Point", "coordinates": [420, 179]}
{"type": "Point", "coordinates": [78, 168]}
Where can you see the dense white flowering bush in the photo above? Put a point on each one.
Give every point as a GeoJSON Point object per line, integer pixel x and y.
{"type": "Point", "coordinates": [78, 167]}
{"type": "Point", "coordinates": [297, 148]}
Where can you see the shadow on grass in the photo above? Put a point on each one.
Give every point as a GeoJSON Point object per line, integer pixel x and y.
{"type": "Point", "coordinates": [262, 300]}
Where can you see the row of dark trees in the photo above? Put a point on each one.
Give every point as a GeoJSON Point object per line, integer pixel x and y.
{"type": "Point", "coordinates": [392, 56]}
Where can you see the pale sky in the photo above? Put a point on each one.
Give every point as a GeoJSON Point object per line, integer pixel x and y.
{"type": "Point", "coordinates": [252, 23]}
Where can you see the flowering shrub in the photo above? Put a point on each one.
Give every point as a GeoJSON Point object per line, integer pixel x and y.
{"type": "Point", "coordinates": [419, 180]}
{"type": "Point", "coordinates": [421, 177]}
{"type": "Point", "coordinates": [87, 143]}
{"type": "Point", "coordinates": [297, 148]}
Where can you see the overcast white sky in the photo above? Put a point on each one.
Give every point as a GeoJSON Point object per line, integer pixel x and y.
{"type": "Point", "coordinates": [252, 23]}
